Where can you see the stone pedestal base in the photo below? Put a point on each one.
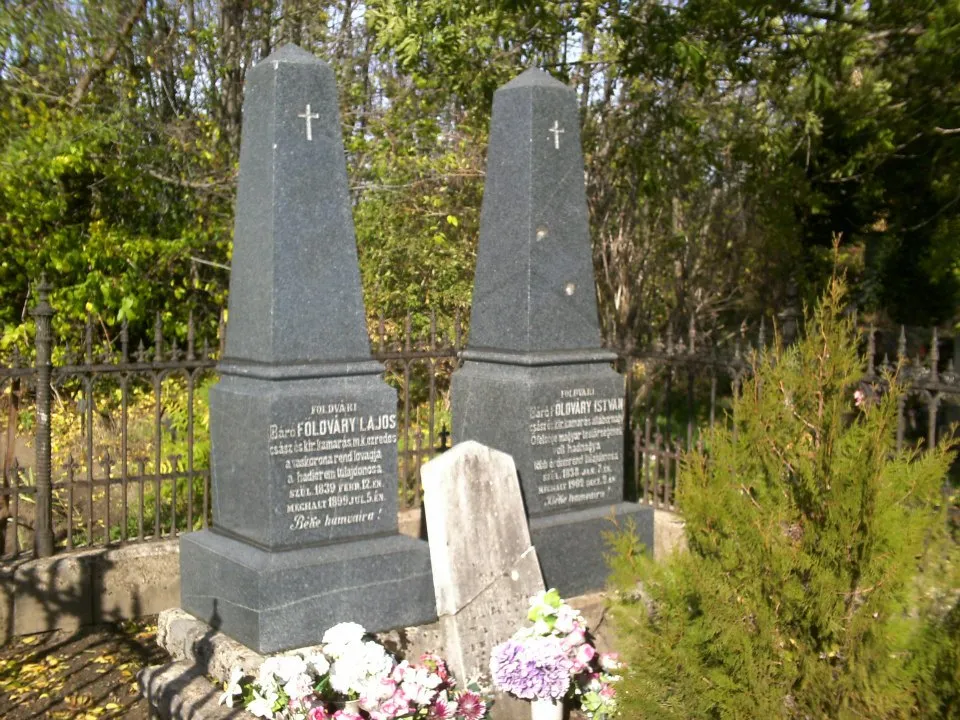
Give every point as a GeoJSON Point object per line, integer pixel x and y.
{"type": "Point", "coordinates": [571, 545]}
{"type": "Point", "coordinates": [272, 601]}
{"type": "Point", "coordinates": [181, 689]}
{"type": "Point", "coordinates": [303, 461]}
{"type": "Point", "coordinates": [562, 424]}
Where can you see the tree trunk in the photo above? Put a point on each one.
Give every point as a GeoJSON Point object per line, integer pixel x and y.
{"type": "Point", "coordinates": [231, 23]}
{"type": "Point", "coordinates": [9, 456]}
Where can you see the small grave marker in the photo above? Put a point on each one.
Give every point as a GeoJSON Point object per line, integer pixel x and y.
{"type": "Point", "coordinates": [485, 567]}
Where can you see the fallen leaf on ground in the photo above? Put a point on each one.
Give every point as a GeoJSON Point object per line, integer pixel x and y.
{"type": "Point", "coordinates": [77, 701]}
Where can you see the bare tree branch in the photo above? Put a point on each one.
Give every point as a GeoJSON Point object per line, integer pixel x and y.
{"type": "Point", "coordinates": [194, 184]}
{"type": "Point", "coordinates": [99, 66]}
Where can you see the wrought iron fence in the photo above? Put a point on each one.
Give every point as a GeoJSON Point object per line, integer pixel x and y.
{"type": "Point", "coordinates": [120, 436]}
{"type": "Point", "coordinates": [121, 441]}
{"type": "Point", "coordinates": [679, 389]}
{"type": "Point", "coordinates": [419, 363]}
{"type": "Point", "coordinates": [121, 468]}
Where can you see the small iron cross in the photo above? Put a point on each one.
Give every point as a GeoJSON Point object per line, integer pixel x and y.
{"type": "Point", "coordinates": [309, 116]}
{"type": "Point", "coordinates": [556, 133]}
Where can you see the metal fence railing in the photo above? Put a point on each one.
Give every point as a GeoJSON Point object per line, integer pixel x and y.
{"type": "Point", "coordinates": [680, 389]}
{"type": "Point", "coordinates": [114, 440]}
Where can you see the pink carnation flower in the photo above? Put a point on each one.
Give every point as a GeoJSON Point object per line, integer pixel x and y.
{"type": "Point", "coordinates": [346, 715]}
{"type": "Point", "coordinates": [470, 706]}
{"type": "Point", "coordinates": [575, 638]}
{"type": "Point", "coordinates": [442, 708]}
{"type": "Point", "coordinates": [416, 693]}
{"type": "Point", "coordinates": [393, 707]}
{"type": "Point", "coordinates": [318, 713]}
{"type": "Point", "coordinates": [585, 653]}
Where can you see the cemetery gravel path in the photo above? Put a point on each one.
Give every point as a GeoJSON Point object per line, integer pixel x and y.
{"type": "Point", "coordinates": [89, 674]}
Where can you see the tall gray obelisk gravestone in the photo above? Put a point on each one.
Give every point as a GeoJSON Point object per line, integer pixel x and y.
{"type": "Point", "coordinates": [303, 428]}
{"type": "Point", "coordinates": [536, 382]}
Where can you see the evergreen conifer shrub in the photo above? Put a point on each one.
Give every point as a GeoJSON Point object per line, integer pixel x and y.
{"type": "Point", "coordinates": [821, 579]}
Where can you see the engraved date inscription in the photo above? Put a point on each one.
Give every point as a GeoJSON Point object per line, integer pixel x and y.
{"type": "Point", "coordinates": [579, 436]}
{"type": "Point", "coordinates": [332, 460]}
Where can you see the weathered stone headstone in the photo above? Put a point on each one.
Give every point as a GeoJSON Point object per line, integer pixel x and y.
{"type": "Point", "coordinates": [536, 382]}
{"type": "Point", "coordinates": [303, 428]}
{"type": "Point", "coordinates": [485, 567]}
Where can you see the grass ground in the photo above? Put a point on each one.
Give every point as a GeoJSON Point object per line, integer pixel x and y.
{"type": "Point", "coordinates": [86, 675]}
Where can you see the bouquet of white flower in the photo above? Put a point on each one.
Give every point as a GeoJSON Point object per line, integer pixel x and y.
{"type": "Point", "coordinates": [353, 678]}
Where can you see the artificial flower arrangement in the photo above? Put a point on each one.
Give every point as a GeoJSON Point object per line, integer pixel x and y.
{"type": "Point", "coordinates": [352, 678]}
{"type": "Point", "coordinates": [556, 660]}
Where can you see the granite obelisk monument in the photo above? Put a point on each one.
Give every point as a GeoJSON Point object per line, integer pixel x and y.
{"type": "Point", "coordinates": [303, 427]}
{"type": "Point", "coordinates": [536, 382]}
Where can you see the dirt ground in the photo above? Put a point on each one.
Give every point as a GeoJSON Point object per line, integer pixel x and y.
{"type": "Point", "coordinates": [87, 675]}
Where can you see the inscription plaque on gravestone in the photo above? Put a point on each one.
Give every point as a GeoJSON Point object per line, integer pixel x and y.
{"type": "Point", "coordinates": [536, 382]}
{"type": "Point", "coordinates": [336, 462]}
{"type": "Point", "coordinates": [565, 428]}
{"type": "Point", "coordinates": [303, 427]}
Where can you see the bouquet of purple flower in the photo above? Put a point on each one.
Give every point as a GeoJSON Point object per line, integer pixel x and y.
{"type": "Point", "coordinates": [555, 659]}
{"type": "Point", "coordinates": [537, 668]}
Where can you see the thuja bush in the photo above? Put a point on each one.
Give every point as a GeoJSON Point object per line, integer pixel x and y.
{"type": "Point", "coordinates": [820, 580]}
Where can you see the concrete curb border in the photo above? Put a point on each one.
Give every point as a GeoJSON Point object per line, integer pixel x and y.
{"type": "Point", "coordinates": [180, 691]}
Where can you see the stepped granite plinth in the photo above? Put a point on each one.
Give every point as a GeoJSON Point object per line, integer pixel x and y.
{"type": "Point", "coordinates": [273, 601]}
{"type": "Point", "coordinates": [536, 382]}
{"type": "Point", "coordinates": [303, 427]}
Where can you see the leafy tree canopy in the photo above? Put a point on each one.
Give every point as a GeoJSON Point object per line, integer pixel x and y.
{"type": "Point", "coordinates": [726, 142]}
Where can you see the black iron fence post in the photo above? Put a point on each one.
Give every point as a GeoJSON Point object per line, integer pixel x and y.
{"type": "Point", "coordinates": [43, 523]}
{"type": "Point", "coordinates": [790, 316]}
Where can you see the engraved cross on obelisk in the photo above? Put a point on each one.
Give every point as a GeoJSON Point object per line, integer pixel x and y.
{"type": "Point", "coordinates": [556, 130]}
{"type": "Point", "coordinates": [536, 382]}
{"type": "Point", "coordinates": [534, 287]}
{"type": "Point", "coordinates": [294, 236]}
{"type": "Point", "coordinates": [309, 116]}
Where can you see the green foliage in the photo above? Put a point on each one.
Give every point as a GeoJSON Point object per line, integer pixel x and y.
{"type": "Point", "coordinates": [851, 103]}
{"type": "Point", "coordinates": [820, 580]}
{"type": "Point", "coordinates": [115, 242]}
{"type": "Point", "coordinates": [177, 433]}
{"type": "Point", "coordinates": [417, 219]}
{"type": "Point", "coordinates": [724, 141]}
{"type": "Point", "coordinates": [112, 193]}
